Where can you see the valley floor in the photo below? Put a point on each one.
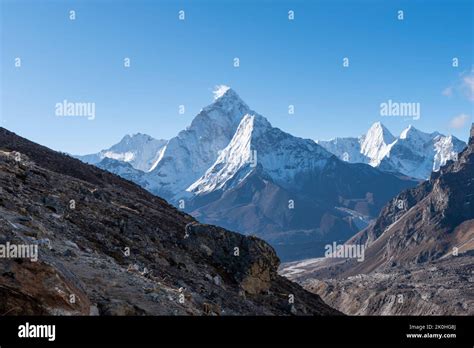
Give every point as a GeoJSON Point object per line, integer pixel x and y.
{"type": "Point", "coordinates": [442, 287]}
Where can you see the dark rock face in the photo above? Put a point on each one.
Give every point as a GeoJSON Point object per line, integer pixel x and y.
{"type": "Point", "coordinates": [108, 247]}
{"type": "Point", "coordinates": [255, 272]}
{"type": "Point", "coordinates": [429, 226]}
{"type": "Point", "coordinates": [471, 138]}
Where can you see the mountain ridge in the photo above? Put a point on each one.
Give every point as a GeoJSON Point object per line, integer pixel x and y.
{"type": "Point", "coordinates": [176, 265]}
{"type": "Point", "coordinates": [140, 150]}
{"type": "Point", "coordinates": [188, 155]}
{"type": "Point", "coordinates": [413, 153]}
{"type": "Point", "coordinates": [230, 152]}
{"type": "Point", "coordinates": [423, 237]}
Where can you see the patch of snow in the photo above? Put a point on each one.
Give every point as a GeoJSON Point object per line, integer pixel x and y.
{"type": "Point", "coordinates": [219, 91]}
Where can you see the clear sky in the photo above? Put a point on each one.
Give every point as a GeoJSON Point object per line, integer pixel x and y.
{"type": "Point", "coordinates": [282, 62]}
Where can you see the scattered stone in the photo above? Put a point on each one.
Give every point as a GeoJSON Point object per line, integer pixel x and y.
{"type": "Point", "coordinates": [217, 280]}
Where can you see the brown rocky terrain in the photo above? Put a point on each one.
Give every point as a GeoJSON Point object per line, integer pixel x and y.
{"type": "Point", "coordinates": [108, 247]}
{"type": "Point", "coordinates": [429, 226]}
{"type": "Point", "coordinates": [442, 287]}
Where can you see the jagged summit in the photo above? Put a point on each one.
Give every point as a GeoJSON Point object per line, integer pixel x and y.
{"type": "Point", "coordinates": [404, 133]}
{"type": "Point", "coordinates": [440, 211]}
{"type": "Point", "coordinates": [234, 157]}
{"type": "Point", "coordinates": [141, 136]}
{"type": "Point", "coordinates": [134, 139]}
{"type": "Point", "coordinates": [376, 143]}
{"type": "Point", "coordinates": [188, 155]}
{"type": "Point", "coordinates": [256, 123]}
{"type": "Point", "coordinates": [280, 155]}
{"type": "Point", "coordinates": [413, 153]}
{"type": "Point", "coordinates": [263, 171]}
{"type": "Point", "coordinates": [226, 99]}
{"type": "Point", "coordinates": [140, 150]}
{"type": "Point", "coordinates": [220, 91]}
{"type": "Point", "coordinates": [417, 135]}
{"type": "Point", "coordinates": [422, 238]}
{"type": "Point", "coordinates": [231, 161]}
{"type": "Point", "coordinates": [171, 166]}
{"type": "Point", "coordinates": [379, 129]}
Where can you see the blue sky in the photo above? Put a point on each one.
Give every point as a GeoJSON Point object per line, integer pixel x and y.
{"type": "Point", "coordinates": [282, 62]}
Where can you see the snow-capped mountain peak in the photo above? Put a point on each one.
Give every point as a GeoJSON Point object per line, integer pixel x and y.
{"type": "Point", "coordinates": [140, 150]}
{"type": "Point", "coordinates": [279, 155]}
{"type": "Point", "coordinates": [234, 157]}
{"type": "Point", "coordinates": [188, 155]}
{"type": "Point", "coordinates": [416, 135]}
{"type": "Point", "coordinates": [414, 153]}
{"type": "Point", "coordinates": [404, 133]}
{"type": "Point", "coordinates": [226, 99]}
{"type": "Point", "coordinates": [130, 142]}
{"type": "Point", "coordinates": [376, 143]}
{"type": "Point", "coordinates": [378, 132]}
{"type": "Point", "coordinates": [219, 91]}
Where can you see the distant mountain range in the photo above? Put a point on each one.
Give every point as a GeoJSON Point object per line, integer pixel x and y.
{"type": "Point", "coordinates": [413, 153]}
{"type": "Point", "coordinates": [140, 150]}
{"type": "Point", "coordinates": [424, 236]}
{"type": "Point", "coordinates": [232, 168]}
{"type": "Point", "coordinates": [431, 221]}
{"type": "Point", "coordinates": [288, 190]}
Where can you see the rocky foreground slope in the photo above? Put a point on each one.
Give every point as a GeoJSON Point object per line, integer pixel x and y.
{"type": "Point", "coordinates": [420, 247]}
{"type": "Point", "coordinates": [108, 247]}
